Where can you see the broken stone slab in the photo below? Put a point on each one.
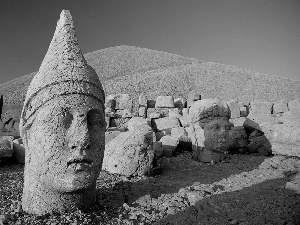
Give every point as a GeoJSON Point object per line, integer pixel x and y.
{"type": "Point", "coordinates": [135, 122]}
{"type": "Point", "coordinates": [175, 112]}
{"type": "Point", "coordinates": [280, 107]}
{"type": "Point", "coordinates": [251, 125]}
{"type": "Point", "coordinates": [166, 123]}
{"type": "Point", "coordinates": [123, 101]}
{"type": "Point", "coordinates": [294, 106]}
{"type": "Point", "coordinates": [142, 100]}
{"type": "Point", "coordinates": [234, 109]}
{"type": "Point", "coordinates": [192, 97]}
{"type": "Point", "coordinates": [130, 154]}
{"type": "Point", "coordinates": [6, 146]}
{"type": "Point", "coordinates": [169, 145]}
{"type": "Point", "coordinates": [19, 151]}
{"type": "Point", "coordinates": [164, 102]}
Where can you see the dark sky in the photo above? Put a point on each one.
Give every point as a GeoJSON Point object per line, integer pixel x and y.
{"type": "Point", "coordinates": [259, 35]}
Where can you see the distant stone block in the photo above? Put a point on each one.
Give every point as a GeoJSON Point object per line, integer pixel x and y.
{"type": "Point", "coordinates": [192, 97]}
{"type": "Point", "coordinates": [151, 103]}
{"type": "Point", "coordinates": [166, 123]}
{"type": "Point", "coordinates": [164, 102]}
{"type": "Point", "coordinates": [142, 100]}
{"type": "Point", "coordinates": [169, 145]}
{"type": "Point", "coordinates": [6, 146]}
{"type": "Point", "coordinates": [19, 151]}
{"type": "Point", "coordinates": [143, 112]}
{"type": "Point", "coordinates": [123, 101]}
{"type": "Point", "coordinates": [175, 112]}
{"type": "Point", "coordinates": [243, 111]}
{"type": "Point", "coordinates": [179, 103]}
{"type": "Point", "coordinates": [234, 109]}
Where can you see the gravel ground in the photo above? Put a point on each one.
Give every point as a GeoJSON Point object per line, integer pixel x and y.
{"type": "Point", "coordinates": [244, 189]}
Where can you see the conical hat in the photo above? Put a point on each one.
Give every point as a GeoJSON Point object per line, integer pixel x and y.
{"type": "Point", "coordinates": [64, 71]}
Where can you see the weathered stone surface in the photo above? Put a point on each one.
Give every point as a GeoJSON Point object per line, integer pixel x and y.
{"type": "Point", "coordinates": [123, 101]}
{"type": "Point", "coordinates": [164, 102]}
{"type": "Point", "coordinates": [63, 128]}
{"type": "Point", "coordinates": [142, 100]}
{"type": "Point", "coordinates": [185, 121]}
{"type": "Point", "coordinates": [130, 154]}
{"type": "Point", "coordinates": [206, 110]}
{"type": "Point", "coordinates": [238, 137]}
{"type": "Point", "coordinates": [166, 123]}
{"type": "Point", "coordinates": [143, 112]}
{"type": "Point", "coordinates": [234, 109]}
{"type": "Point", "coordinates": [135, 122]}
{"type": "Point", "coordinates": [260, 112]}
{"type": "Point", "coordinates": [192, 97]}
{"type": "Point", "coordinates": [185, 112]}
{"type": "Point", "coordinates": [153, 112]}
{"type": "Point", "coordinates": [184, 141]}
{"type": "Point", "coordinates": [280, 107]}
{"type": "Point", "coordinates": [260, 144]}
{"type": "Point", "coordinates": [169, 145]}
{"type": "Point", "coordinates": [6, 146]}
{"type": "Point", "coordinates": [294, 106]}
{"type": "Point", "coordinates": [179, 103]}
{"type": "Point", "coordinates": [175, 112]}
{"type": "Point", "coordinates": [19, 151]}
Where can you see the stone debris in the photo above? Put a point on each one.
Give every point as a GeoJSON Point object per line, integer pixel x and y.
{"type": "Point", "coordinates": [130, 154]}
{"type": "Point", "coordinates": [143, 112]}
{"type": "Point", "coordinates": [164, 102]}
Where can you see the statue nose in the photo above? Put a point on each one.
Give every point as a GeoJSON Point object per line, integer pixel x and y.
{"type": "Point", "coordinates": [79, 137]}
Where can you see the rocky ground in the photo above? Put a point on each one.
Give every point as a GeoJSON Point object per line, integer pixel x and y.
{"type": "Point", "coordinates": [244, 189]}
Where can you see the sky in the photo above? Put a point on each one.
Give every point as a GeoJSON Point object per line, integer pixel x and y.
{"type": "Point", "coordinates": [258, 35]}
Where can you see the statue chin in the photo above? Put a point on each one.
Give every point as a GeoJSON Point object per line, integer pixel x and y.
{"type": "Point", "coordinates": [69, 181]}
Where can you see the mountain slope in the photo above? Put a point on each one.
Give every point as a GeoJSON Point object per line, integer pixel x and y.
{"type": "Point", "coordinates": [133, 70]}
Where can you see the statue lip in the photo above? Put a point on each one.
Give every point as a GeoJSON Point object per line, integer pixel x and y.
{"type": "Point", "coordinates": [80, 160]}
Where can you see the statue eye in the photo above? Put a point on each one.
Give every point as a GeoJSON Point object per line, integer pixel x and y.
{"type": "Point", "coordinates": [67, 121]}
{"type": "Point", "coordinates": [95, 118]}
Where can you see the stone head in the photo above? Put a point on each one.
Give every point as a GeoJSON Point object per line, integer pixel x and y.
{"type": "Point", "coordinates": [62, 122]}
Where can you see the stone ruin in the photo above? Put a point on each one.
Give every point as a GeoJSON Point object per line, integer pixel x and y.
{"type": "Point", "coordinates": [65, 115]}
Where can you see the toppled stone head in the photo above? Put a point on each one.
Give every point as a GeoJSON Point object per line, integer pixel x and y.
{"type": "Point", "coordinates": [209, 130]}
{"type": "Point", "coordinates": [63, 128]}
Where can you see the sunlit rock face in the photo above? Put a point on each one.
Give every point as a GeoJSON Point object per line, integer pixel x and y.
{"type": "Point", "coordinates": [209, 130]}
{"type": "Point", "coordinates": [63, 128]}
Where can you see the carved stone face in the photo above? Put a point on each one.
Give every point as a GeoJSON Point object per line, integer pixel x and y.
{"type": "Point", "coordinates": [65, 143]}
{"type": "Point", "coordinates": [216, 135]}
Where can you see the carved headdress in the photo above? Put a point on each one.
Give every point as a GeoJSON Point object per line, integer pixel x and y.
{"type": "Point", "coordinates": [64, 71]}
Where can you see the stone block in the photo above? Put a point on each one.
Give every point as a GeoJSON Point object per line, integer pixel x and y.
{"type": "Point", "coordinates": [179, 103]}
{"type": "Point", "coordinates": [159, 135]}
{"type": "Point", "coordinates": [151, 103]}
{"type": "Point", "coordinates": [130, 154]}
{"type": "Point", "coordinates": [143, 112]}
{"type": "Point", "coordinates": [158, 149]}
{"type": "Point", "coordinates": [237, 122]}
{"type": "Point", "coordinates": [280, 107]}
{"type": "Point", "coordinates": [6, 146]}
{"type": "Point", "coordinates": [260, 112]}
{"type": "Point", "coordinates": [175, 112]}
{"type": "Point", "coordinates": [123, 101]}
{"type": "Point", "coordinates": [294, 106]}
{"type": "Point", "coordinates": [185, 112]}
{"type": "Point", "coordinates": [169, 145]}
{"type": "Point", "coordinates": [157, 112]}
{"type": "Point", "coordinates": [192, 97]}
{"type": "Point", "coordinates": [142, 100]}
{"type": "Point", "coordinates": [166, 123]}
{"type": "Point", "coordinates": [243, 111]}
{"type": "Point", "coordinates": [164, 102]}
{"type": "Point", "coordinates": [110, 104]}
{"type": "Point", "coordinates": [184, 141]}
{"type": "Point", "coordinates": [185, 121]}
{"type": "Point", "coordinates": [127, 113]}
{"type": "Point", "coordinates": [234, 109]}
{"type": "Point", "coordinates": [19, 151]}
{"type": "Point", "coordinates": [134, 122]}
